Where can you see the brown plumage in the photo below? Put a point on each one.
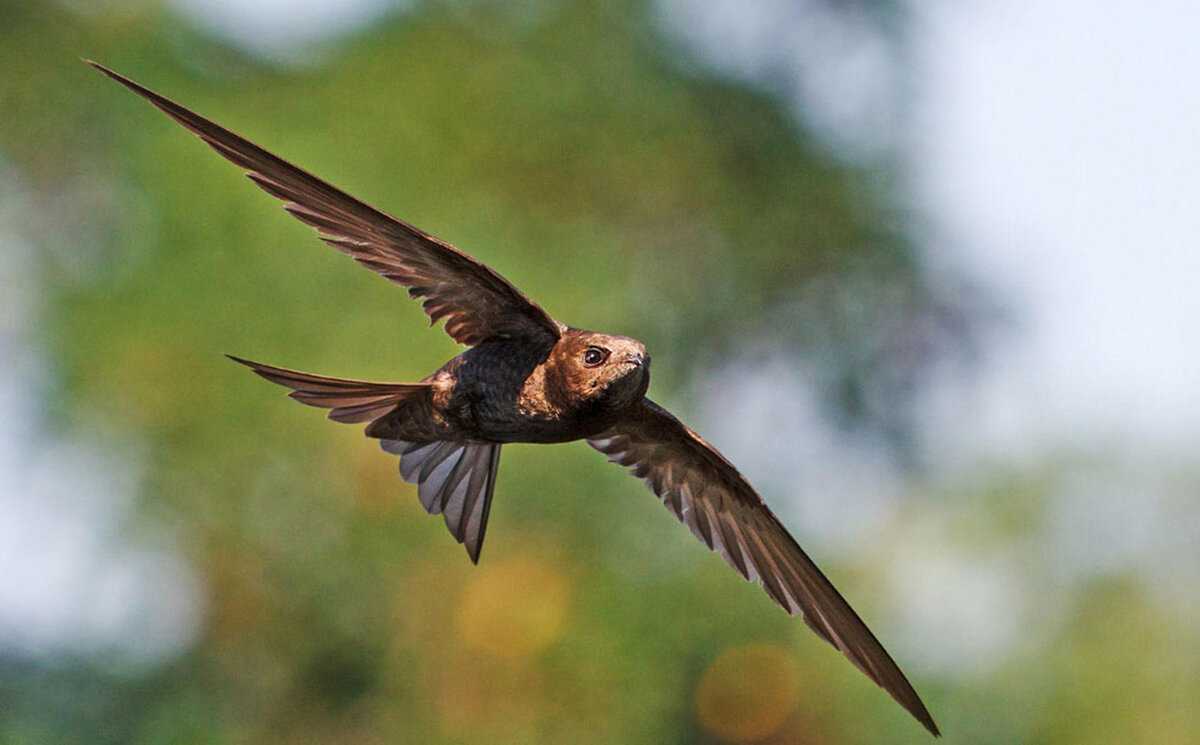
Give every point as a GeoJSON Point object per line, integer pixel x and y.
{"type": "Point", "coordinates": [529, 378]}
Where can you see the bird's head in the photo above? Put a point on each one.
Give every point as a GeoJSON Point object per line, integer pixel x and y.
{"type": "Point", "coordinates": [601, 368]}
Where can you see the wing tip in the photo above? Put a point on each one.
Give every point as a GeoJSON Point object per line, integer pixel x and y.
{"type": "Point", "coordinates": [927, 722]}
{"type": "Point", "coordinates": [257, 368]}
{"type": "Point", "coordinates": [112, 74]}
{"type": "Point", "coordinates": [921, 714]}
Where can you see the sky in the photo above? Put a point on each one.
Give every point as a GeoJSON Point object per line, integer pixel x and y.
{"type": "Point", "coordinates": [71, 579]}
{"type": "Point", "coordinates": [1052, 150]}
{"type": "Point", "coordinates": [1057, 146]}
{"type": "Point", "coordinates": [1052, 155]}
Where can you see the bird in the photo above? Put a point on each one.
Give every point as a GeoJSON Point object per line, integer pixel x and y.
{"type": "Point", "coordinates": [526, 377]}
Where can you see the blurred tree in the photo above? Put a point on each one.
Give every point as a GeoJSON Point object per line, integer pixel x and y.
{"type": "Point", "coordinates": [560, 142]}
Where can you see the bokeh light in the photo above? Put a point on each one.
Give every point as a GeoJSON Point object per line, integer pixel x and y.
{"type": "Point", "coordinates": [923, 272]}
{"type": "Point", "coordinates": [512, 608]}
{"type": "Point", "coordinates": [748, 692]}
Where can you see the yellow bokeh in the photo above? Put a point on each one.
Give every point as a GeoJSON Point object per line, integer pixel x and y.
{"type": "Point", "coordinates": [489, 700]}
{"type": "Point", "coordinates": [512, 608]}
{"type": "Point", "coordinates": [747, 692]}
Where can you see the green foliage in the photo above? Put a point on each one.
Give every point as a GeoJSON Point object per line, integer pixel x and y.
{"type": "Point", "coordinates": [566, 148]}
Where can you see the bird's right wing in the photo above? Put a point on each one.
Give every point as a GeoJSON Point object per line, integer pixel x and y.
{"type": "Point", "coordinates": [477, 303]}
{"type": "Point", "coordinates": [708, 494]}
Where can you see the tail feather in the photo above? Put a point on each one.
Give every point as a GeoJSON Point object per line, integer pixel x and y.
{"type": "Point", "coordinates": [349, 401]}
{"type": "Point", "coordinates": [455, 480]}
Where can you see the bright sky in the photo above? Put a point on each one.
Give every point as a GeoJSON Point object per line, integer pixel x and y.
{"type": "Point", "coordinates": [1055, 149]}
{"type": "Point", "coordinates": [1059, 145]}
{"type": "Point", "coordinates": [71, 580]}
{"type": "Point", "coordinates": [282, 27]}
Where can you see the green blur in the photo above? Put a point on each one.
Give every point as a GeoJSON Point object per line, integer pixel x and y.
{"type": "Point", "coordinates": [625, 189]}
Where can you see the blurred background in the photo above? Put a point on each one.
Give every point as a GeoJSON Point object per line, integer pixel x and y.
{"type": "Point", "coordinates": [925, 271]}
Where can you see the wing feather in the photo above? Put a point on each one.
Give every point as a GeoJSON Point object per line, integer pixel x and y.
{"type": "Point", "coordinates": [476, 302]}
{"type": "Point", "coordinates": [350, 401]}
{"type": "Point", "coordinates": [716, 502]}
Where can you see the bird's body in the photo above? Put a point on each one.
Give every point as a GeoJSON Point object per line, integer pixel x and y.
{"type": "Point", "coordinates": [529, 378]}
{"type": "Point", "coordinates": [511, 390]}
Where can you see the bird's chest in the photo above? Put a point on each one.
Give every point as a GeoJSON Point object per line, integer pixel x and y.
{"type": "Point", "coordinates": [507, 398]}
{"type": "Point", "coordinates": [486, 402]}
{"type": "Point", "coordinates": [486, 411]}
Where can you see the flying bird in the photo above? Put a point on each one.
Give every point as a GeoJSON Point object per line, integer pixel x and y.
{"type": "Point", "coordinates": [527, 377]}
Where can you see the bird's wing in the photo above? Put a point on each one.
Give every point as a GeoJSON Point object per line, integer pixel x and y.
{"type": "Point", "coordinates": [353, 401]}
{"type": "Point", "coordinates": [708, 494]}
{"type": "Point", "coordinates": [477, 303]}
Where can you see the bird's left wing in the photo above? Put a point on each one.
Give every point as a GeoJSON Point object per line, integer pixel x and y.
{"type": "Point", "coordinates": [708, 494]}
{"type": "Point", "coordinates": [477, 303]}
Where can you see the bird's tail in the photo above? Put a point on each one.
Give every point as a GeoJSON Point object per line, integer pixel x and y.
{"type": "Point", "coordinates": [349, 401]}
{"type": "Point", "coordinates": [454, 479]}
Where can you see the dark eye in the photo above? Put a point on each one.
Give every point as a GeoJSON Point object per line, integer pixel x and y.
{"type": "Point", "coordinates": [595, 356]}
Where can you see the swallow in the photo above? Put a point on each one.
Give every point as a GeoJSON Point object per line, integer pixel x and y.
{"type": "Point", "coordinates": [526, 377]}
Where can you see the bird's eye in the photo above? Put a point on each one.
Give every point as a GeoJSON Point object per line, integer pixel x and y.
{"type": "Point", "coordinates": [595, 356]}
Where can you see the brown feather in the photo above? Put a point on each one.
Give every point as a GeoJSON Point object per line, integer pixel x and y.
{"type": "Point", "coordinates": [448, 430]}
{"type": "Point", "coordinates": [673, 460]}
{"type": "Point", "coordinates": [351, 401]}
{"type": "Point", "coordinates": [477, 303]}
